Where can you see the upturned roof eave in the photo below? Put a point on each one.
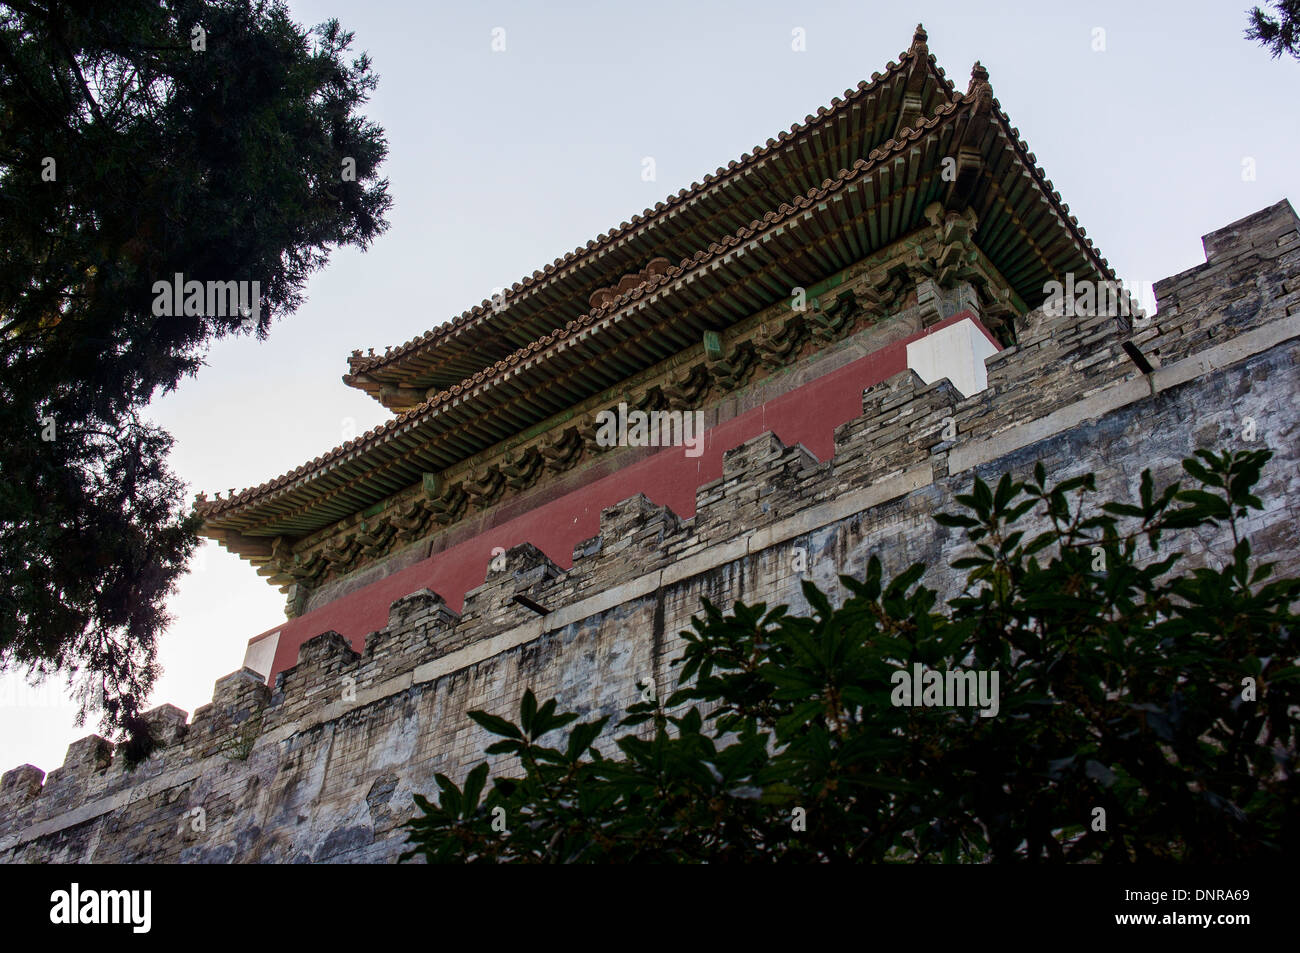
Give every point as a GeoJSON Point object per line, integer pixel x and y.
{"type": "Point", "coordinates": [241, 511]}
{"type": "Point", "coordinates": [394, 368]}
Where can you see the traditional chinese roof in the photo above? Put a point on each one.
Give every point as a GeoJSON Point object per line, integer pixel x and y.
{"type": "Point", "coordinates": [786, 166]}
{"type": "Point", "coordinates": [610, 310]}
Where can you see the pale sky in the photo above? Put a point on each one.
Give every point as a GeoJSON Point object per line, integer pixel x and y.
{"type": "Point", "coordinates": [501, 162]}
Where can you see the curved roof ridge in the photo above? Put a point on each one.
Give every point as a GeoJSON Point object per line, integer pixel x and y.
{"type": "Point", "coordinates": [359, 364]}
{"type": "Point", "coordinates": [207, 507]}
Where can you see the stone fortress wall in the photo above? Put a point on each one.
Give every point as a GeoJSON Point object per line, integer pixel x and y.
{"type": "Point", "coordinates": [321, 766]}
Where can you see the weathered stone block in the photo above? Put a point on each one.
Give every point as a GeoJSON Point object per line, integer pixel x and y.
{"type": "Point", "coordinates": [20, 785]}
{"type": "Point", "coordinates": [167, 725]}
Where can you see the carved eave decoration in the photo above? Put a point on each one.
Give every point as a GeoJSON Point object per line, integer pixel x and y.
{"type": "Point", "coordinates": [895, 224]}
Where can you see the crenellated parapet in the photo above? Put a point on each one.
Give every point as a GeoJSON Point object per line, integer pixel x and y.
{"type": "Point", "coordinates": [232, 721]}
{"type": "Point", "coordinates": [420, 627]}
{"type": "Point", "coordinates": [904, 421]}
{"type": "Point", "coordinates": [1248, 276]}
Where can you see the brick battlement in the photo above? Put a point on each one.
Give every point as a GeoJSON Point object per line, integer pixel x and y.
{"type": "Point", "coordinates": [321, 764]}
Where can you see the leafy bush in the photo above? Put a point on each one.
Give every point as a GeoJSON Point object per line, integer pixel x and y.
{"type": "Point", "coordinates": [1145, 711]}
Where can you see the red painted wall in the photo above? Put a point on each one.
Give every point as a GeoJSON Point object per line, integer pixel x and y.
{"type": "Point", "coordinates": [807, 415]}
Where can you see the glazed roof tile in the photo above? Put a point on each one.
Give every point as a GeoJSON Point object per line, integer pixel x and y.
{"type": "Point", "coordinates": [301, 477]}
{"type": "Point", "coordinates": [566, 265]}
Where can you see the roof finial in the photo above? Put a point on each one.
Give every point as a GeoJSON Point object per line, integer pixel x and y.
{"type": "Point", "coordinates": [980, 90]}
{"type": "Point", "coordinates": [919, 37]}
